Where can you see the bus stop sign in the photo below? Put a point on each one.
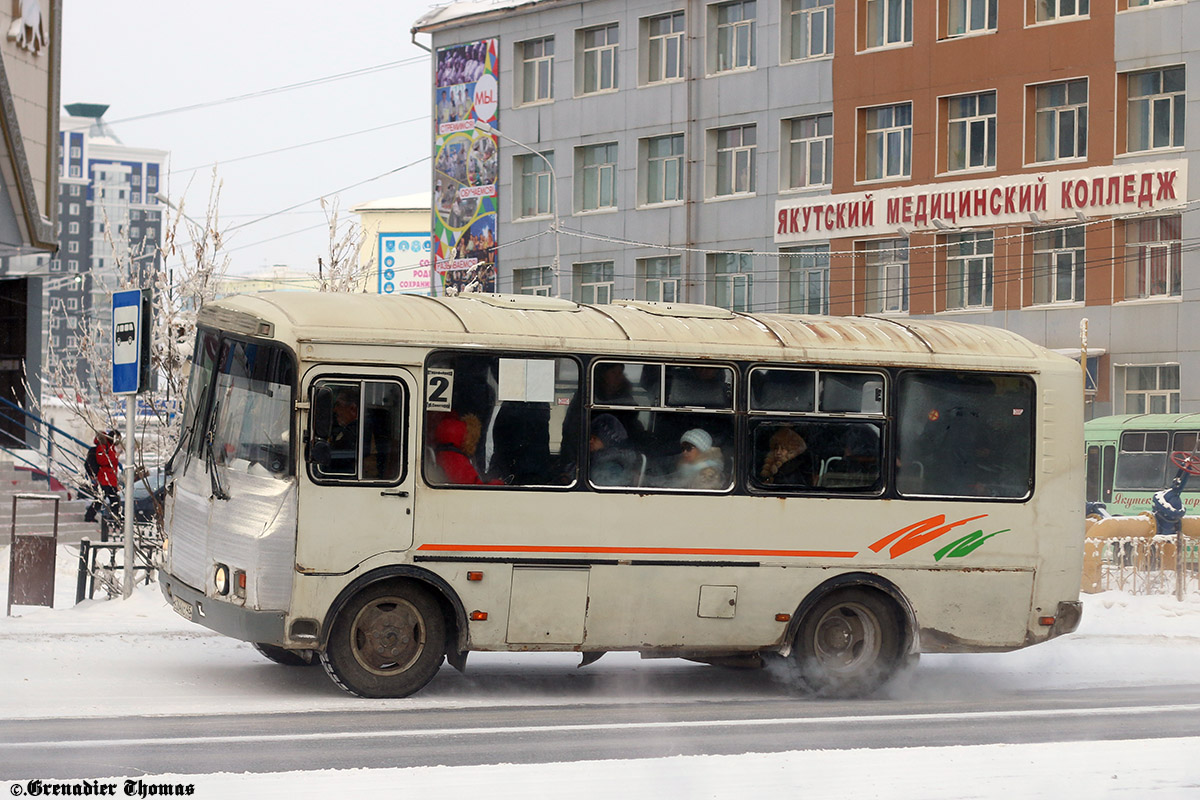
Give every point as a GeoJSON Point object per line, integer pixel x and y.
{"type": "Point", "coordinates": [130, 341]}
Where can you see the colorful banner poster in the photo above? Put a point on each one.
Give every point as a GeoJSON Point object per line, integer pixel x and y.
{"type": "Point", "coordinates": [466, 165]}
{"type": "Point", "coordinates": [404, 260]}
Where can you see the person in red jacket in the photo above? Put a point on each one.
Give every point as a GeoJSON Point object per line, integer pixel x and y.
{"type": "Point", "coordinates": [449, 443]}
{"type": "Point", "coordinates": [108, 470]}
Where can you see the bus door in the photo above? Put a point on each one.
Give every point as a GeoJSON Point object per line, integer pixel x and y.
{"type": "Point", "coordinates": [1101, 464]}
{"type": "Point", "coordinates": [357, 499]}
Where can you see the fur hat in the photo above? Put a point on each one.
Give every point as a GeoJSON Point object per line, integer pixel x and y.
{"type": "Point", "coordinates": [697, 438]}
{"type": "Point", "coordinates": [609, 430]}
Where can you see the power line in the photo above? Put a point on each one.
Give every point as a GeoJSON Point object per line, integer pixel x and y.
{"type": "Point", "coordinates": [276, 90]}
{"type": "Point", "coordinates": [298, 146]}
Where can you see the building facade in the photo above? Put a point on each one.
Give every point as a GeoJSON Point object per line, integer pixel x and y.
{"type": "Point", "coordinates": [30, 71]}
{"type": "Point", "coordinates": [1019, 164]}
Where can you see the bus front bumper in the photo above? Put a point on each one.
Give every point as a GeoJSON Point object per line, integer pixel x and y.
{"type": "Point", "coordinates": [264, 627]}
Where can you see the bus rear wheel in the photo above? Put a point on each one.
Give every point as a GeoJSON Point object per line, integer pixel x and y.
{"type": "Point", "coordinates": [388, 641]}
{"type": "Point", "coordinates": [849, 643]}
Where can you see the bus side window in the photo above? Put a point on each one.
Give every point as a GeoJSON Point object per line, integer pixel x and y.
{"type": "Point", "coordinates": [1143, 460]}
{"type": "Point", "coordinates": [499, 420]}
{"type": "Point", "coordinates": [365, 439]}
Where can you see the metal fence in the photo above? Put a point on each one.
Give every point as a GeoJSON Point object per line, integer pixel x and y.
{"type": "Point", "coordinates": [1141, 565]}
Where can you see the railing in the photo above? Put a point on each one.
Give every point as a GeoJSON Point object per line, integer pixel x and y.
{"type": "Point", "coordinates": [1124, 554]}
{"type": "Point", "coordinates": [64, 453]}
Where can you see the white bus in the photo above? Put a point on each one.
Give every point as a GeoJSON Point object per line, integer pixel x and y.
{"type": "Point", "coordinates": [384, 483]}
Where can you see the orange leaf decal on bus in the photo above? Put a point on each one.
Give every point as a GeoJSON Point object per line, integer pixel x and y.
{"type": "Point", "coordinates": [919, 533]}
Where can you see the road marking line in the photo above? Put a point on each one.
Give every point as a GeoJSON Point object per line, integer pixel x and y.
{"type": "Point", "coordinates": [599, 726]}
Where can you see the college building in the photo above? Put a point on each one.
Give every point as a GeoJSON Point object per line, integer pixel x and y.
{"type": "Point", "coordinates": [1017, 164]}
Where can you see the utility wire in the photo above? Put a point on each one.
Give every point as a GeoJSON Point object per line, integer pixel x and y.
{"type": "Point", "coordinates": [276, 90]}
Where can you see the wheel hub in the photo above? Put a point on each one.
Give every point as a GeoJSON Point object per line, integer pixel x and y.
{"type": "Point", "coordinates": [388, 636]}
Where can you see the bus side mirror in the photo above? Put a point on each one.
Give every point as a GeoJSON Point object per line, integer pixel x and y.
{"type": "Point", "coordinates": [322, 413]}
{"type": "Point", "coordinates": [322, 426]}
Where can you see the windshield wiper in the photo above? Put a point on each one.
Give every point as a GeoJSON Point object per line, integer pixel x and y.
{"type": "Point", "coordinates": [210, 461]}
{"type": "Point", "coordinates": [185, 439]}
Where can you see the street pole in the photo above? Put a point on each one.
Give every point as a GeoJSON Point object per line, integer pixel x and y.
{"type": "Point", "coordinates": [130, 411]}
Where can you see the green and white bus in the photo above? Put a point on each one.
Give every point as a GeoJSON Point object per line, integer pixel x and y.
{"type": "Point", "coordinates": [382, 483]}
{"type": "Point", "coordinates": [1129, 458]}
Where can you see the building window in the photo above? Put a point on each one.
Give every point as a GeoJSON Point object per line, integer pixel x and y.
{"type": "Point", "coordinates": [807, 279]}
{"type": "Point", "coordinates": [55, 265]}
{"type": "Point", "coordinates": [72, 247]}
{"type": "Point", "coordinates": [659, 279]}
{"type": "Point", "coordinates": [76, 152]}
{"type": "Point", "coordinates": [736, 35]}
{"type": "Point", "coordinates": [151, 182]}
{"type": "Point", "coordinates": [1153, 257]}
{"type": "Point", "coordinates": [735, 160]}
{"type": "Point", "coordinates": [888, 22]}
{"type": "Point", "coordinates": [73, 227]}
{"type": "Point", "coordinates": [1061, 121]}
{"type": "Point", "coordinates": [135, 179]}
{"type": "Point", "coordinates": [970, 16]}
{"type": "Point", "coordinates": [536, 195]}
{"type": "Point", "coordinates": [663, 164]}
{"type": "Point", "coordinates": [74, 190]}
{"type": "Point", "coordinates": [597, 166]}
{"type": "Point", "coordinates": [135, 231]}
{"type": "Point", "coordinates": [74, 172]}
{"type": "Point", "coordinates": [537, 70]}
{"type": "Point", "coordinates": [807, 29]}
{"type": "Point", "coordinates": [72, 303]}
{"type": "Point", "coordinates": [1152, 389]}
{"type": "Point", "coordinates": [72, 265]}
{"type": "Point", "coordinates": [663, 46]}
{"type": "Point", "coordinates": [1155, 112]}
{"type": "Point", "coordinates": [886, 263]}
{"type": "Point", "coordinates": [597, 49]}
{"type": "Point", "coordinates": [1058, 265]}
{"type": "Point", "coordinates": [1048, 10]}
{"type": "Point", "coordinates": [731, 276]}
{"type": "Point", "coordinates": [808, 161]}
{"type": "Point", "coordinates": [969, 270]}
{"type": "Point", "coordinates": [972, 131]}
{"type": "Point", "coordinates": [73, 209]}
{"type": "Point", "coordinates": [889, 141]}
{"type": "Point", "coordinates": [135, 197]}
{"type": "Point", "coordinates": [594, 282]}
{"type": "Point", "coordinates": [533, 280]}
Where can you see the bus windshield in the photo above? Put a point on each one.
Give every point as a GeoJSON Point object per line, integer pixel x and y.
{"type": "Point", "coordinates": [246, 404]}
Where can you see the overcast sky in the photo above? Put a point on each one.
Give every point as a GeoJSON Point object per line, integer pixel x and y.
{"type": "Point", "coordinates": [144, 57]}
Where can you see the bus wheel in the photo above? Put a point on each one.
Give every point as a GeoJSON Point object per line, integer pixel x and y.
{"type": "Point", "coordinates": [388, 641]}
{"type": "Point", "coordinates": [849, 644]}
{"type": "Point", "coordinates": [289, 658]}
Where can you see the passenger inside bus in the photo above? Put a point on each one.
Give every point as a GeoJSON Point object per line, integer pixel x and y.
{"type": "Point", "coordinates": [788, 461]}
{"type": "Point", "coordinates": [611, 461]}
{"type": "Point", "coordinates": [700, 465]}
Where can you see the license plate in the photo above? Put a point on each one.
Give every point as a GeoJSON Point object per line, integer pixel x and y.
{"type": "Point", "coordinates": [182, 607]}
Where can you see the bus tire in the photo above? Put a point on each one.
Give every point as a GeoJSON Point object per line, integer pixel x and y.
{"type": "Point", "coordinates": [387, 641]}
{"type": "Point", "coordinates": [849, 643]}
{"type": "Point", "coordinates": [289, 658]}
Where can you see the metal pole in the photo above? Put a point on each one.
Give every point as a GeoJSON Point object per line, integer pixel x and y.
{"type": "Point", "coordinates": [127, 579]}
{"type": "Point", "coordinates": [85, 545]}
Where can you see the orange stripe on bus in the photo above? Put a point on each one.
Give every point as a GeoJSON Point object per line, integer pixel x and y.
{"type": "Point", "coordinates": [675, 551]}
